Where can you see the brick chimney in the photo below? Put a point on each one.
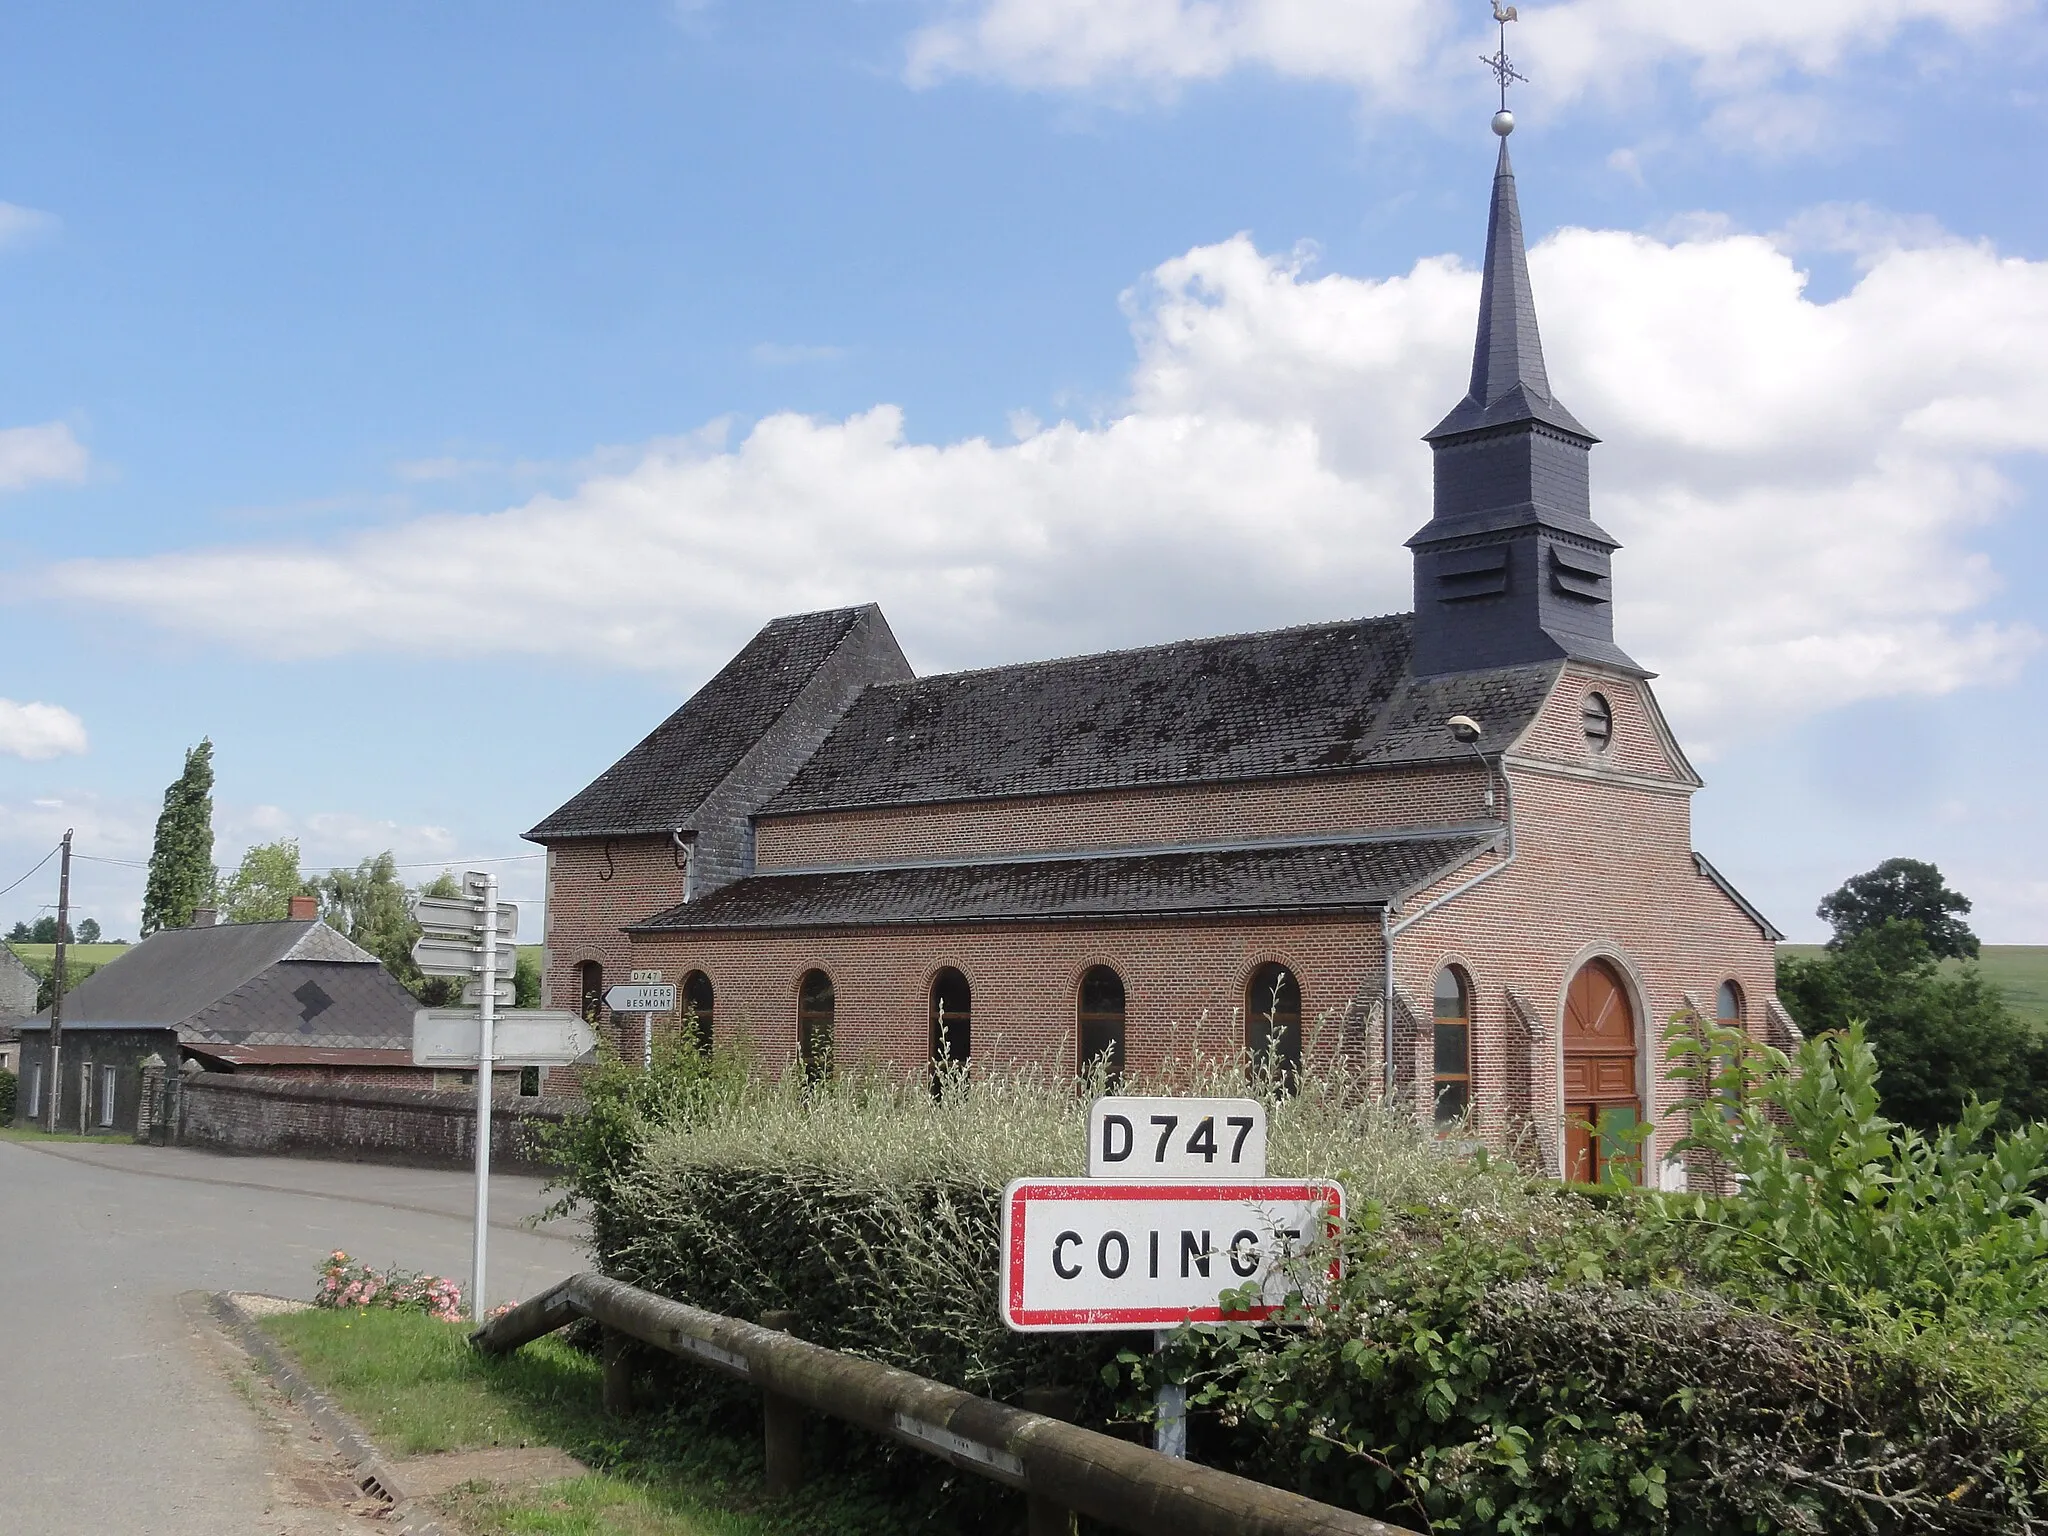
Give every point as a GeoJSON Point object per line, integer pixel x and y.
{"type": "Point", "coordinates": [305, 908]}
{"type": "Point", "coordinates": [202, 917]}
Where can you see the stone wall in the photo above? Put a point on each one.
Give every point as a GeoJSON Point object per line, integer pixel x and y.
{"type": "Point", "coordinates": [355, 1122]}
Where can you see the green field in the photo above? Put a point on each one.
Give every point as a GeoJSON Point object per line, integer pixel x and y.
{"type": "Point", "coordinates": [2020, 971]}
{"type": "Point", "coordinates": [39, 957]}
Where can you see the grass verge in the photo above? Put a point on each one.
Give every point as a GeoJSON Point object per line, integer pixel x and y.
{"type": "Point", "coordinates": [30, 1133]}
{"type": "Point", "coordinates": [418, 1388]}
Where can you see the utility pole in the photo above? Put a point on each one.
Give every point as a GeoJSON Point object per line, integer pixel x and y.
{"type": "Point", "coordinates": [486, 1029]}
{"type": "Point", "coordinates": [57, 980]}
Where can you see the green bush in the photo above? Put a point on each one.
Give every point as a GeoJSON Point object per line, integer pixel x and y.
{"type": "Point", "coordinates": [8, 1086]}
{"type": "Point", "coordinates": [1849, 1343]}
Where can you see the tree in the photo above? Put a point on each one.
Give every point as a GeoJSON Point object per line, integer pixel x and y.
{"type": "Point", "coordinates": [45, 931]}
{"type": "Point", "coordinates": [372, 906]}
{"type": "Point", "coordinates": [263, 884]}
{"type": "Point", "coordinates": [1941, 1035]}
{"type": "Point", "coordinates": [20, 934]}
{"type": "Point", "coordinates": [1904, 890]}
{"type": "Point", "coordinates": [89, 931]}
{"type": "Point", "coordinates": [181, 872]}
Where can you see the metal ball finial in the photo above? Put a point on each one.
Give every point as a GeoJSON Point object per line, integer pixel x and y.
{"type": "Point", "coordinates": [1503, 122]}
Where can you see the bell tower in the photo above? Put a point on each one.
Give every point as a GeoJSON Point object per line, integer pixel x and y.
{"type": "Point", "coordinates": [1511, 568]}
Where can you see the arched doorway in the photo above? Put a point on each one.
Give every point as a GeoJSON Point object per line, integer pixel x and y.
{"type": "Point", "coordinates": [1601, 1093]}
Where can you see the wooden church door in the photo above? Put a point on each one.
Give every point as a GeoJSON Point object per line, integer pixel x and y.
{"type": "Point", "coordinates": [1601, 1095]}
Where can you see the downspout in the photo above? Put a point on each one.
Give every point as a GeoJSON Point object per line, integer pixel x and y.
{"type": "Point", "coordinates": [1508, 795]}
{"type": "Point", "coordinates": [1387, 997]}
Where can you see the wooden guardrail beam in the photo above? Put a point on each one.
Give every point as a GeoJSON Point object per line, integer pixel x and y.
{"type": "Point", "coordinates": [1111, 1480]}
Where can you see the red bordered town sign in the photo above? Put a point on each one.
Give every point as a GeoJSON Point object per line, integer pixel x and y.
{"type": "Point", "coordinates": [1096, 1254]}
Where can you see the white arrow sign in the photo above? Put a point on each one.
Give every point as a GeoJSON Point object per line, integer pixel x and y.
{"type": "Point", "coordinates": [459, 915]}
{"type": "Point", "coordinates": [458, 957]}
{"type": "Point", "coordinates": [641, 999]}
{"type": "Point", "coordinates": [534, 1037]}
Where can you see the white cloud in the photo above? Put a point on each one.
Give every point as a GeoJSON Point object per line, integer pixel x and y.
{"type": "Point", "coordinates": [1795, 485]}
{"type": "Point", "coordinates": [46, 452]}
{"type": "Point", "coordinates": [36, 732]}
{"type": "Point", "coordinates": [1398, 53]}
{"type": "Point", "coordinates": [19, 224]}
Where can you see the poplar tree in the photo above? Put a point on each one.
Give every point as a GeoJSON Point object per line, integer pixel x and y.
{"type": "Point", "coordinates": [181, 872]}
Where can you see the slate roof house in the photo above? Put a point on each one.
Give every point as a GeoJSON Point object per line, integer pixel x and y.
{"type": "Point", "coordinates": [291, 998]}
{"type": "Point", "coordinates": [1454, 842]}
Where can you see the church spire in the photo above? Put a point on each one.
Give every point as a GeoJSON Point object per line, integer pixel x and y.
{"type": "Point", "coordinates": [1511, 569]}
{"type": "Point", "coordinates": [1509, 382]}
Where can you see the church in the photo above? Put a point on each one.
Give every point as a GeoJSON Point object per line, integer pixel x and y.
{"type": "Point", "coordinates": [1454, 844]}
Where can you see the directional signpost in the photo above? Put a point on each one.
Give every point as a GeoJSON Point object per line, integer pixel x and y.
{"type": "Point", "coordinates": [471, 937]}
{"type": "Point", "coordinates": [1176, 1210]}
{"type": "Point", "coordinates": [646, 998]}
{"type": "Point", "coordinates": [534, 1037]}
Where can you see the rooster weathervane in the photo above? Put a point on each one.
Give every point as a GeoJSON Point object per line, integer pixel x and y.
{"type": "Point", "coordinates": [1503, 70]}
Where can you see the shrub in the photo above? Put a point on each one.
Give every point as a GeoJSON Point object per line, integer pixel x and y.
{"type": "Point", "coordinates": [8, 1086]}
{"type": "Point", "coordinates": [344, 1284]}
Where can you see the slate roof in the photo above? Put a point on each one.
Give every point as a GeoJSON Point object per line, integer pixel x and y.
{"type": "Point", "coordinates": [257, 1056]}
{"type": "Point", "coordinates": [291, 982]}
{"type": "Point", "coordinates": [662, 781]}
{"type": "Point", "coordinates": [1509, 381]}
{"type": "Point", "coordinates": [1321, 698]}
{"type": "Point", "coordinates": [1321, 876]}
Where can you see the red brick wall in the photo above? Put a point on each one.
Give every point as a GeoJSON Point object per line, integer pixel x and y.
{"type": "Point", "coordinates": [1125, 818]}
{"type": "Point", "coordinates": [1637, 746]}
{"type": "Point", "coordinates": [1184, 984]}
{"type": "Point", "coordinates": [1600, 869]}
{"type": "Point", "coordinates": [590, 896]}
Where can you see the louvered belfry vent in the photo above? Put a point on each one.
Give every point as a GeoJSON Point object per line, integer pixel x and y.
{"type": "Point", "coordinates": [1511, 568]}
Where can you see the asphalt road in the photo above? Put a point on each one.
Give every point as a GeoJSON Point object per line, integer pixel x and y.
{"type": "Point", "coordinates": [116, 1416]}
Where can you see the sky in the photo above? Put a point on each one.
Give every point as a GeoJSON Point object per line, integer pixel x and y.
{"type": "Point", "coordinates": [420, 400]}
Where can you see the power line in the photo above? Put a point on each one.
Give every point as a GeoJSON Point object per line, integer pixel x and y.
{"type": "Point", "coordinates": [38, 865]}
{"type": "Point", "coordinates": [447, 863]}
{"type": "Point", "coordinates": [93, 858]}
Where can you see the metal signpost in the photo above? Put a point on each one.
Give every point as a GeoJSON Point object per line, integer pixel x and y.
{"type": "Point", "coordinates": [460, 937]}
{"type": "Point", "coordinates": [1176, 1210]}
{"type": "Point", "coordinates": [646, 998]}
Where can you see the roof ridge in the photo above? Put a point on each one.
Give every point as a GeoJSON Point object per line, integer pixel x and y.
{"type": "Point", "coordinates": [1142, 650]}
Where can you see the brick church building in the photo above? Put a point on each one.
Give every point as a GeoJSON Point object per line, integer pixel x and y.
{"type": "Point", "coordinates": [1455, 842]}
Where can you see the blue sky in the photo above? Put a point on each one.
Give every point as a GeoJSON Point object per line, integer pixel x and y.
{"type": "Point", "coordinates": [420, 400]}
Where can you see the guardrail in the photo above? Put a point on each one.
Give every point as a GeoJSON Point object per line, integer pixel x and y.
{"type": "Point", "coordinates": [1060, 1467]}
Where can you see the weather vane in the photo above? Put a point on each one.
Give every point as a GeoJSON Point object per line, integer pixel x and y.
{"type": "Point", "coordinates": [1504, 70]}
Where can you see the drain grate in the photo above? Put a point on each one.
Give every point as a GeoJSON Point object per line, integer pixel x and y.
{"type": "Point", "coordinates": [375, 1488]}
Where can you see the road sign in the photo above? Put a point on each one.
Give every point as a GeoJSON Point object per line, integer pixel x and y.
{"type": "Point", "coordinates": [645, 978]}
{"type": "Point", "coordinates": [1134, 1138]}
{"type": "Point", "coordinates": [1091, 1255]}
{"type": "Point", "coordinates": [503, 988]}
{"type": "Point", "coordinates": [533, 1037]}
{"type": "Point", "coordinates": [457, 957]}
{"type": "Point", "coordinates": [641, 999]}
{"type": "Point", "coordinates": [460, 915]}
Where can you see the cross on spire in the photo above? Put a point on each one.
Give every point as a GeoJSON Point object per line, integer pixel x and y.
{"type": "Point", "coordinates": [1502, 66]}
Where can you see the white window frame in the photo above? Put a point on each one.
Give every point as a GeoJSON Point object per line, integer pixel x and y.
{"type": "Point", "coordinates": [35, 1091]}
{"type": "Point", "coordinates": [109, 1079]}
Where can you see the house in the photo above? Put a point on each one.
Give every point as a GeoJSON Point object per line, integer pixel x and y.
{"type": "Point", "coordinates": [1453, 843]}
{"type": "Point", "coordinates": [17, 1001]}
{"type": "Point", "coordinates": [292, 998]}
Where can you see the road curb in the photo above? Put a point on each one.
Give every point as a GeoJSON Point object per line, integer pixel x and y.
{"type": "Point", "coordinates": [368, 1467]}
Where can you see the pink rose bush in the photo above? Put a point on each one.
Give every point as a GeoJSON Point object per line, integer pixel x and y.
{"type": "Point", "coordinates": [346, 1284]}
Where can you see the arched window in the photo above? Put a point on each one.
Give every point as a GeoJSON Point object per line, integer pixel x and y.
{"type": "Point", "coordinates": [591, 975]}
{"type": "Point", "coordinates": [1453, 1045]}
{"type": "Point", "coordinates": [699, 1002]}
{"type": "Point", "coordinates": [814, 1025]}
{"type": "Point", "coordinates": [1272, 1021]}
{"type": "Point", "coordinates": [1101, 1018]}
{"type": "Point", "coordinates": [1728, 1010]}
{"type": "Point", "coordinates": [952, 1013]}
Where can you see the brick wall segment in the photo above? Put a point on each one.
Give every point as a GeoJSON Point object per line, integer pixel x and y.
{"type": "Point", "coordinates": [1449, 794]}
